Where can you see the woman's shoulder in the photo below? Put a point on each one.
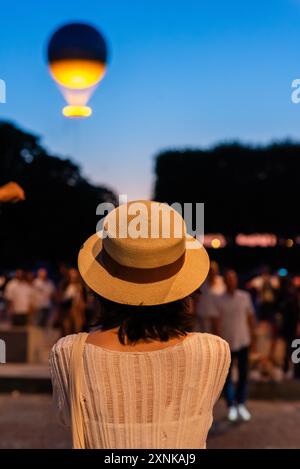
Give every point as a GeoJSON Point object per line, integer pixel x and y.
{"type": "Point", "coordinates": [64, 343]}
{"type": "Point", "coordinates": [212, 340]}
{"type": "Point", "coordinates": [215, 353]}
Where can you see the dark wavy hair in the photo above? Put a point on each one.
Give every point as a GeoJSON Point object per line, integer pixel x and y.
{"type": "Point", "coordinates": [159, 322]}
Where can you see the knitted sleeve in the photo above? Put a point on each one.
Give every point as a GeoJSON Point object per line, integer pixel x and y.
{"type": "Point", "coordinates": [59, 365]}
{"type": "Point", "coordinates": [221, 364]}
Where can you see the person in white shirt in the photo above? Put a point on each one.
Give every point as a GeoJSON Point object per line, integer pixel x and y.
{"type": "Point", "coordinates": [19, 296]}
{"type": "Point", "coordinates": [235, 318]}
{"type": "Point", "coordinates": [203, 304]}
{"type": "Point", "coordinates": [44, 291]}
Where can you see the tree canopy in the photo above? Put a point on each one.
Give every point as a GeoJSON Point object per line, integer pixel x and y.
{"type": "Point", "coordinates": [245, 189]}
{"type": "Point", "coordinates": [59, 212]}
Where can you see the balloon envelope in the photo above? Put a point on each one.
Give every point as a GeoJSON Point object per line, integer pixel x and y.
{"type": "Point", "coordinates": [77, 57]}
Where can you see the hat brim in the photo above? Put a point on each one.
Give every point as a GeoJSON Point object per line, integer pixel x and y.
{"type": "Point", "coordinates": [185, 281]}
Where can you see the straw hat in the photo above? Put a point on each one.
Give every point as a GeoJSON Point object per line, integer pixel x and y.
{"type": "Point", "coordinates": [143, 256]}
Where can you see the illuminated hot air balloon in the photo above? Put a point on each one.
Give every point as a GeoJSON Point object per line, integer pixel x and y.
{"type": "Point", "coordinates": [77, 57]}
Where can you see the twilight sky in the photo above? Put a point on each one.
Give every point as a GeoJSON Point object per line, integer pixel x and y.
{"type": "Point", "coordinates": [182, 74]}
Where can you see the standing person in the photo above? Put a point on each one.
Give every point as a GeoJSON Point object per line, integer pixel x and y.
{"type": "Point", "coordinates": [203, 304]}
{"type": "Point", "coordinates": [60, 309]}
{"type": "Point", "coordinates": [266, 286]}
{"type": "Point", "coordinates": [63, 279]}
{"type": "Point", "coordinates": [19, 296]}
{"type": "Point", "coordinates": [145, 379]}
{"type": "Point", "coordinates": [236, 324]}
{"type": "Point", "coordinates": [44, 291]}
{"type": "Point", "coordinates": [73, 304]}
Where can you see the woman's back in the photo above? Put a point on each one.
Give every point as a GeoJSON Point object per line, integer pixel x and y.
{"type": "Point", "coordinates": [157, 399]}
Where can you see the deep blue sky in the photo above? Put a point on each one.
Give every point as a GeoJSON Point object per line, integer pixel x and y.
{"type": "Point", "coordinates": [182, 73]}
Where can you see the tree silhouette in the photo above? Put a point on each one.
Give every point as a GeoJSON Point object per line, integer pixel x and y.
{"type": "Point", "coordinates": [59, 212]}
{"type": "Point", "coordinates": [245, 189]}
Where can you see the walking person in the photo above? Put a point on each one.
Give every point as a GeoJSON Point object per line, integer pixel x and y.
{"type": "Point", "coordinates": [236, 324]}
{"type": "Point", "coordinates": [143, 379]}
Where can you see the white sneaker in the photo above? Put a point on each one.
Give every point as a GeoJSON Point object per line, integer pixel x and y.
{"type": "Point", "coordinates": [244, 413]}
{"type": "Point", "coordinates": [232, 414]}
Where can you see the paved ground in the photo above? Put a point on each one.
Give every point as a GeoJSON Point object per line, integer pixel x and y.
{"type": "Point", "coordinates": [28, 421]}
{"type": "Point", "coordinates": [274, 424]}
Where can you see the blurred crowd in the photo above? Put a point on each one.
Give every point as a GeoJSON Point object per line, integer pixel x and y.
{"type": "Point", "coordinates": [262, 317]}
{"type": "Point", "coordinates": [260, 323]}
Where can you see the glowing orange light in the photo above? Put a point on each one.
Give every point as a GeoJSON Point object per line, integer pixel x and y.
{"type": "Point", "coordinates": [289, 243]}
{"type": "Point", "coordinates": [77, 74]}
{"type": "Point", "coordinates": [215, 243]}
{"type": "Point", "coordinates": [214, 240]}
{"type": "Point", "coordinates": [256, 240]}
{"type": "Point", "coordinates": [77, 111]}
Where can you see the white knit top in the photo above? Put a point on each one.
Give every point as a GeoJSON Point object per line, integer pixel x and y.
{"type": "Point", "coordinates": [150, 399]}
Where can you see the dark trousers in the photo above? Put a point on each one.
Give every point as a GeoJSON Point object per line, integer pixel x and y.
{"type": "Point", "coordinates": [20, 319]}
{"type": "Point", "coordinates": [43, 317]}
{"type": "Point", "coordinates": [237, 394]}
